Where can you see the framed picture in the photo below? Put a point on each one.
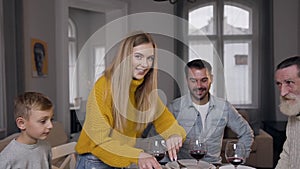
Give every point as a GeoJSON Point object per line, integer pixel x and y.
{"type": "Point", "coordinates": [39, 58]}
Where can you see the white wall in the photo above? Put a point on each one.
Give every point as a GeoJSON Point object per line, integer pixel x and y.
{"type": "Point", "coordinates": [286, 35]}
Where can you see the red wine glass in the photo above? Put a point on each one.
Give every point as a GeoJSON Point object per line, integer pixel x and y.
{"type": "Point", "coordinates": [235, 153]}
{"type": "Point", "coordinates": [158, 149]}
{"type": "Point", "coordinates": [197, 149]}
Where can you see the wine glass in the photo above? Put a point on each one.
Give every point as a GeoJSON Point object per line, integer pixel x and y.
{"type": "Point", "coordinates": [197, 149]}
{"type": "Point", "coordinates": [235, 153]}
{"type": "Point", "coordinates": [158, 148]}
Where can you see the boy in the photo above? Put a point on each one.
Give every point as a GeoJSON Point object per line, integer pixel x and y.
{"type": "Point", "coordinates": [33, 114]}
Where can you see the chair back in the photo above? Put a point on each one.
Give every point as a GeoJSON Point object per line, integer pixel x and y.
{"type": "Point", "coordinates": [67, 151]}
{"type": "Point", "coordinates": [4, 142]}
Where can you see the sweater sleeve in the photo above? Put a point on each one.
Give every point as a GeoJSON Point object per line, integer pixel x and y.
{"type": "Point", "coordinates": [166, 124]}
{"type": "Point", "coordinates": [98, 136]}
{"type": "Point", "coordinates": [284, 159]}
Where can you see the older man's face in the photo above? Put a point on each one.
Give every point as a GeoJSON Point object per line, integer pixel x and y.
{"type": "Point", "coordinates": [288, 83]}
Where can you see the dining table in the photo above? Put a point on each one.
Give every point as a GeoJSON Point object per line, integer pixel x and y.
{"type": "Point", "coordinates": [193, 164]}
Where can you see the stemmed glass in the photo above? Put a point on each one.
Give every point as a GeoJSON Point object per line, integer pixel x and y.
{"type": "Point", "coordinates": [197, 149]}
{"type": "Point", "coordinates": [235, 153]}
{"type": "Point", "coordinates": [158, 148]}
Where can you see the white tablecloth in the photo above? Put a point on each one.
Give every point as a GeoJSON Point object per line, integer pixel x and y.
{"type": "Point", "coordinates": [190, 164]}
{"type": "Point", "coordinates": [229, 166]}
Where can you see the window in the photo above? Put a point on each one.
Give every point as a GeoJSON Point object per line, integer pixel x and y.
{"type": "Point", "coordinates": [228, 30]}
{"type": "Point", "coordinates": [73, 73]}
{"type": "Point", "coordinates": [99, 62]}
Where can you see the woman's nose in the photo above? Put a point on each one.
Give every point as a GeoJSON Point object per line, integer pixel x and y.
{"type": "Point", "coordinates": [144, 62]}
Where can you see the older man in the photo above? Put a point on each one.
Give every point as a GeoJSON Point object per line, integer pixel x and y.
{"type": "Point", "coordinates": [287, 77]}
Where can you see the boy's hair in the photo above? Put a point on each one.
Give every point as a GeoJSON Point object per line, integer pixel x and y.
{"type": "Point", "coordinates": [25, 103]}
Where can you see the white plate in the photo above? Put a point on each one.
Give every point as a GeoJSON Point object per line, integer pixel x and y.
{"type": "Point", "coordinates": [229, 166]}
{"type": "Point", "coordinates": [190, 164]}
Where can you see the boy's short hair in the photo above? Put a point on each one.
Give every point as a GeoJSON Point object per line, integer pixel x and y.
{"type": "Point", "coordinates": [25, 103]}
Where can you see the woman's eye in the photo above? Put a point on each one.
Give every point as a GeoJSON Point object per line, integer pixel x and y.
{"type": "Point", "coordinates": [138, 56]}
{"type": "Point", "coordinates": [151, 58]}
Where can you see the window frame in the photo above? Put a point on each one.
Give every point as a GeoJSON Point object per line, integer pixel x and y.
{"type": "Point", "coordinates": [220, 40]}
{"type": "Point", "coordinates": [72, 45]}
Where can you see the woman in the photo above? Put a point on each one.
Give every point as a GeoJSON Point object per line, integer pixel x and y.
{"type": "Point", "coordinates": [120, 106]}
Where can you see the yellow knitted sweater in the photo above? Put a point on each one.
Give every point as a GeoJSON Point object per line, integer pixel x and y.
{"type": "Point", "coordinates": [111, 146]}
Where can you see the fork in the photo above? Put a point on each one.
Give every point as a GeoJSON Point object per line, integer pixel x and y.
{"type": "Point", "coordinates": [181, 166]}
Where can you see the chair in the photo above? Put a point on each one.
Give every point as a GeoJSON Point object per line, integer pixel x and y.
{"type": "Point", "coordinates": [4, 142]}
{"type": "Point", "coordinates": [67, 152]}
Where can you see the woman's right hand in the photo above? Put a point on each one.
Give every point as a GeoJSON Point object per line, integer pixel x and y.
{"type": "Point", "coordinates": [147, 161]}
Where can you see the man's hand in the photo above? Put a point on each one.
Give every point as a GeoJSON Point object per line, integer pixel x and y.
{"type": "Point", "coordinates": [147, 161]}
{"type": "Point", "coordinates": [174, 142]}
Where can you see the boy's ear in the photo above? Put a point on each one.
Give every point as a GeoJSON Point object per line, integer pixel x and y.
{"type": "Point", "coordinates": [20, 121]}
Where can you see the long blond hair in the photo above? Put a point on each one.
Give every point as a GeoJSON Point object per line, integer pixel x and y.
{"type": "Point", "coordinates": [120, 75]}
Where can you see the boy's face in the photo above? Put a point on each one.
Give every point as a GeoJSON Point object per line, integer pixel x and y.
{"type": "Point", "coordinates": [38, 126]}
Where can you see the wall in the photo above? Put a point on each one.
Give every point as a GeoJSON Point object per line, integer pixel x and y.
{"type": "Point", "coordinates": [164, 43]}
{"type": "Point", "coordinates": [11, 76]}
{"type": "Point", "coordinates": [39, 23]}
{"type": "Point", "coordinates": [286, 35]}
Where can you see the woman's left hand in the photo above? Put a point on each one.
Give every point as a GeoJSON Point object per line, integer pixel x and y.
{"type": "Point", "coordinates": [174, 142]}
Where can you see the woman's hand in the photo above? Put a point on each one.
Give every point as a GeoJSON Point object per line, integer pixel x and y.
{"type": "Point", "coordinates": [174, 142]}
{"type": "Point", "coordinates": [147, 161]}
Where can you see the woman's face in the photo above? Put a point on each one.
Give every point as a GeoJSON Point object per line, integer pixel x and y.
{"type": "Point", "coordinates": [143, 59]}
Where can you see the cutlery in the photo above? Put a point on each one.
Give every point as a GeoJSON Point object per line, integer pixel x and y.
{"type": "Point", "coordinates": [181, 166]}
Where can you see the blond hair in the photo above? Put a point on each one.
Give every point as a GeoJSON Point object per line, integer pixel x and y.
{"type": "Point", "coordinates": [31, 101]}
{"type": "Point", "coordinates": [120, 75]}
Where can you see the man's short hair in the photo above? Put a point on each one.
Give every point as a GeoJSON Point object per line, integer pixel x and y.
{"type": "Point", "coordinates": [295, 60]}
{"type": "Point", "coordinates": [198, 64]}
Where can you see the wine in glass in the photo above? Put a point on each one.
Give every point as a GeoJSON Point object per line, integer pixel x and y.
{"type": "Point", "coordinates": [235, 153]}
{"type": "Point", "coordinates": [158, 149]}
{"type": "Point", "coordinates": [197, 149]}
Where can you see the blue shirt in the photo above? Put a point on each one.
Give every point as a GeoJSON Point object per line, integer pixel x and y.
{"type": "Point", "coordinates": [220, 114]}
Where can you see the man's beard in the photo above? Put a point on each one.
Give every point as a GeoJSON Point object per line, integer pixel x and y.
{"type": "Point", "coordinates": [196, 96]}
{"type": "Point", "coordinates": [287, 108]}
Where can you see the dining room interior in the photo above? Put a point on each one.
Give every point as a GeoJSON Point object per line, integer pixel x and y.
{"type": "Point", "coordinates": [243, 40]}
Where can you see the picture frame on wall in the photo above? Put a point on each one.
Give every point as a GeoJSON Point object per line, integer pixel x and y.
{"type": "Point", "coordinates": [39, 58]}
